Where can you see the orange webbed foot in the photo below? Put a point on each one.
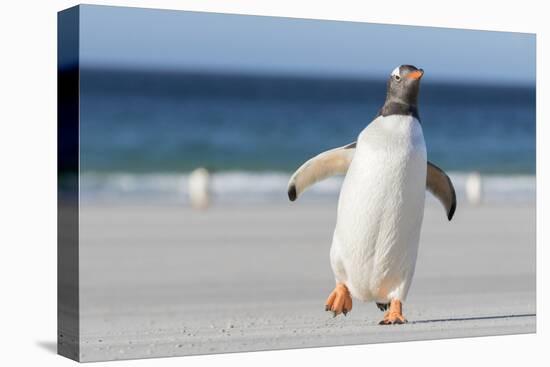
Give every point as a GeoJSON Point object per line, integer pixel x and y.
{"type": "Point", "coordinates": [394, 314]}
{"type": "Point", "coordinates": [339, 300]}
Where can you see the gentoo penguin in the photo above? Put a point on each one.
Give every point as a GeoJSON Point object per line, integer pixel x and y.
{"type": "Point", "coordinates": [199, 188]}
{"type": "Point", "coordinates": [474, 188]}
{"type": "Point", "coordinates": [381, 203]}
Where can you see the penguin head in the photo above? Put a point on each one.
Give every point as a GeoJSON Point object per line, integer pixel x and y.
{"type": "Point", "coordinates": [404, 84]}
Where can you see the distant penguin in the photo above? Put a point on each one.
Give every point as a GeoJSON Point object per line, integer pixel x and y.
{"type": "Point", "coordinates": [474, 188]}
{"type": "Point", "coordinates": [381, 203]}
{"type": "Point", "coordinates": [199, 188]}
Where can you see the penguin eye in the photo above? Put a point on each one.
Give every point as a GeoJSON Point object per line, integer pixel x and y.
{"type": "Point", "coordinates": [397, 77]}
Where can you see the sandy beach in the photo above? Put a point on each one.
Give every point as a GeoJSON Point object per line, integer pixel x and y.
{"type": "Point", "coordinates": [163, 280]}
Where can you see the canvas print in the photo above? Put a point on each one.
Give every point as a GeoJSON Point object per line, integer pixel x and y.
{"type": "Point", "coordinates": [232, 183]}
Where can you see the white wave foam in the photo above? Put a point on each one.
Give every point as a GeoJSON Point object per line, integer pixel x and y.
{"type": "Point", "coordinates": [266, 186]}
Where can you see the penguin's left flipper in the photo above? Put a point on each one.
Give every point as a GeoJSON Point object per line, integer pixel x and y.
{"type": "Point", "coordinates": [332, 162]}
{"type": "Point", "coordinates": [439, 184]}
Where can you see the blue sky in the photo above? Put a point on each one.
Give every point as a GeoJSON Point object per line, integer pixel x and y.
{"type": "Point", "coordinates": [161, 39]}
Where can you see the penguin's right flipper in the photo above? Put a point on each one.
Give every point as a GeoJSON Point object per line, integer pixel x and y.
{"type": "Point", "coordinates": [439, 184]}
{"type": "Point", "coordinates": [332, 162]}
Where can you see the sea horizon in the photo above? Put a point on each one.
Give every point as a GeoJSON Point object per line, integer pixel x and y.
{"type": "Point", "coordinates": [142, 131]}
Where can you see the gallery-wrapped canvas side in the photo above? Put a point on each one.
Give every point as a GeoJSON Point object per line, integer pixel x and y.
{"type": "Point", "coordinates": [67, 183]}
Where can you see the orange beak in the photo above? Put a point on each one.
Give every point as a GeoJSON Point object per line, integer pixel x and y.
{"type": "Point", "coordinates": [417, 74]}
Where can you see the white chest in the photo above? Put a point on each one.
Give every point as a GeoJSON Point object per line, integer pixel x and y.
{"type": "Point", "coordinates": [381, 207]}
{"type": "Point", "coordinates": [389, 166]}
{"type": "Point", "coordinates": [394, 134]}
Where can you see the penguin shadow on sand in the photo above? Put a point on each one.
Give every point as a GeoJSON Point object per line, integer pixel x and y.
{"type": "Point", "coordinates": [475, 318]}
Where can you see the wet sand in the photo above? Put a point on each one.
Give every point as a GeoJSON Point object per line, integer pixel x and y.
{"type": "Point", "coordinates": [163, 280]}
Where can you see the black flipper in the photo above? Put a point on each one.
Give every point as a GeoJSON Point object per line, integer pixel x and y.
{"type": "Point", "coordinates": [439, 184]}
{"type": "Point", "coordinates": [332, 162]}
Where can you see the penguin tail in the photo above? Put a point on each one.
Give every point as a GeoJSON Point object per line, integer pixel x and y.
{"type": "Point", "coordinates": [382, 306]}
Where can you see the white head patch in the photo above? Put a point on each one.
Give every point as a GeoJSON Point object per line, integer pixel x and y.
{"type": "Point", "coordinates": [395, 71]}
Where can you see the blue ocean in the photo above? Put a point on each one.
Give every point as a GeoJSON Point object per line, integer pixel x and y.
{"type": "Point", "coordinates": [143, 131]}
